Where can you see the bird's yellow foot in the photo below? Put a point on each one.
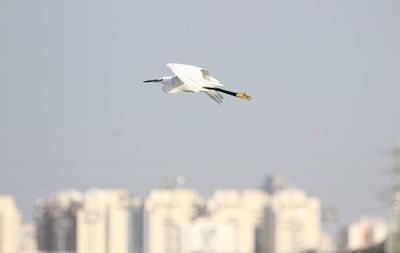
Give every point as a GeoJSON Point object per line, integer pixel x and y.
{"type": "Point", "coordinates": [243, 95]}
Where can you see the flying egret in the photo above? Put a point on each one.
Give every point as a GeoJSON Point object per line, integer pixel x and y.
{"type": "Point", "coordinates": [189, 78]}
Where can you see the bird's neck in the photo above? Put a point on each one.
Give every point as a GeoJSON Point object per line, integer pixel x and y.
{"type": "Point", "coordinates": [167, 79]}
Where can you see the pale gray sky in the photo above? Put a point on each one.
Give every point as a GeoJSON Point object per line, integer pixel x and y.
{"type": "Point", "coordinates": [324, 76]}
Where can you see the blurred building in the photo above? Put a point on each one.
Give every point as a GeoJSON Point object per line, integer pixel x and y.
{"type": "Point", "coordinates": [206, 235]}
{"type": "Point", "coordinates": [28, 239]}
{"type": "Point", "coordinates": [364, 233]}
{"type": "Point", "coordinates": [167, 213]}
{"type": "Point", "coordinates": [56, 221]}
{"type": "Point", "coordinates": [273, 184]}
{"type": "Point", "coordinates": [96, 221]}
{"type": "Point", "coordinates": [177, 220]}
{"type": "Point", "coordinates": [292, 222]}
{"type": "Point", "coordinates": [244, 210]}
{"type": "Point", "coordinates": [10, 225]}
{"type": "Point", "coordinates": [326, 244]}
{"type": "Point", "coordinates": [110, 221]}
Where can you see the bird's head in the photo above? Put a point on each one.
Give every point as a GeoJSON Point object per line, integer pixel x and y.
{"type": "Point", "coordinates": [243, 95]}
{"type": "Point", "coordinates": [159, 80]}
{"type": "Point", "coordinates": [163, 80]}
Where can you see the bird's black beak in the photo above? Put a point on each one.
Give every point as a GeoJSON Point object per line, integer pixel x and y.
{"type": "Point", "coordinates": [153, 81]}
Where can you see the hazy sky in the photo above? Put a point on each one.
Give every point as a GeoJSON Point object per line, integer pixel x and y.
{"type": "Point", "coordinates": [324, 75]}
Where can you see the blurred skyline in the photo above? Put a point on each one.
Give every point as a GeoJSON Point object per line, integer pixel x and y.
{"type": "Point", "coordinates": [324, 77]}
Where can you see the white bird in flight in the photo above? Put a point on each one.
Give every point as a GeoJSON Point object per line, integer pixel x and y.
{"type": "Point", "coordinates": [189, 78]}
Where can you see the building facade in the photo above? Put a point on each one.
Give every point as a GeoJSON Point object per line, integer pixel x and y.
{"type": "Point", "coordinates": [244, 210]}
{"type": "Point", "coordinates": [364, 233]}
{"type": "Point", "coordinates": [292, 223]}
{"type": "Point", "coordinates": [28, 238]}
{"type": "Point", "coordinates": [109, 222]}
{"type": "Point", "coordinates": [96, 221]}
{"type": "Point", "coordinates": [56, 223]}
{"type": "Point", "coordinates": [10, 225]}
{"type": "Point", "coordinates": [206, 235]}
{"type": "Point", "coordinates": [167, 213]}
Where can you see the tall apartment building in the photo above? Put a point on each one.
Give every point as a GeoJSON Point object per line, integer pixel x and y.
{"type": "Point", "coordinates": [56, 222]}
{"type": "Point", "coordinates": [292, 222]}
{"type": "Point", "coordinates": [10, 225]}
{"type": "Point", "coordinates": [167, 213]}
{"type": "Point", "coordinates": [364, 233]}
{"type": "Point", "coordinates": [242, 209]}
{"type": "Point", "coordinates": [96, 221]}
{"type": "Point", "coordinates": [110, 221]}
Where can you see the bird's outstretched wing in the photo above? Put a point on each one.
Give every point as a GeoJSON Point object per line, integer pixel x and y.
{"type": "Point", "coordinates": [194, 76]}
{"type": "Point", "coordinates": [211, 80]}
{"type": "Point", "coordinates": [189, 75]}
{"type": "Point", "coordinates": [197, 78]}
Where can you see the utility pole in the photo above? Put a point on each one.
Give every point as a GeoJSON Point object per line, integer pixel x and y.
{"type": "Point", "coordinates": [393, 243]}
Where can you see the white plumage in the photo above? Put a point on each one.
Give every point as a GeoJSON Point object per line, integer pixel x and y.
{"type": "Point", "coordinates": [194, 79]}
